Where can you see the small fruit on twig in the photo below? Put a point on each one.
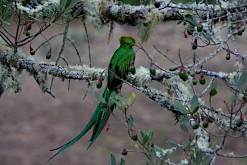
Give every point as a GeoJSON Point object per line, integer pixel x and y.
{"type": "Point", "coordinates": [124, 152]}
{"type": "Point", "coordinates": [31, 50]}
{"type": "Point", "coordinates": [152, 69]}
{"type": "Point", "coordinates": [134, 135]}
{"type": "Point", "coordinates": [228, 55]}
{"type": "Point", "coordinates": [107, 128]}
{"type": "Point", "coordinates": [240, 121]}
{"type": "Point", "coordinates": [194, 44]}
{"type": "Point", "coordinates": [194, 81]}
{"type": "Point", "coordinates": [205, 123]}
{"type": "Point", "coordinates": [48, 54]}
{"type": "Point", "coordinates": [99, 83]}
{"type": "Point", "coordinates": [202, 79]}
{"type": "Point", "coordinates": [29, 26]}
{"type": "Point", "coordinates": [132, 69]}
{"type": "Point", "coordinates": [182, 74]}
{"type": "Point", "coordinates": [199, 26]}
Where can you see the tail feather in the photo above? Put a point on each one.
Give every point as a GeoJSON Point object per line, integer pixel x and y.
{"type": "Point", "coordinates": [78, 137]}
{"type": "Point", "coordinates": [98, 120]}
{"type": "Point", "coordinates": [99, 116]}
{"type": "Point", "coordinates": [103, 122]}
{"type": "Point", "coordinates": [96, 124]}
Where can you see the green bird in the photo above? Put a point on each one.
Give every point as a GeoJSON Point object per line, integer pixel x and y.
{"type": "Point", "coordinates": [118, 70]}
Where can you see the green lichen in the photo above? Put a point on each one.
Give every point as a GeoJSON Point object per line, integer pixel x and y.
{"type": "Point", "coordinates": [147, 26]}
{"type": "Point", "coordinates": [85, 68]}
{"type": "Point", "coordinates": [184, 162]}
{"type": "Point", "coordinates": [232, 77]}
{"type": "Point", "coordinates": [141, 77]}
{"type": "Point", "coordinates": [160, 152]}
{"type": "Point", "coordinates": [239, 65]}
{"type": "Point", "coordinates": [91, 72]}
{"type": "Point", "coordinates": [11, 79]}
{"type": "Point", "coordinates": [203, 139]}
{"type": "Point", "coordinates": [184, 89]}
{"type": "Point", "coordinates": [93, 9]}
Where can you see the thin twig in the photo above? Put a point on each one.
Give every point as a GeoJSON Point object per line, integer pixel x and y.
{"type": "Point", "coordinates": [88, 43]}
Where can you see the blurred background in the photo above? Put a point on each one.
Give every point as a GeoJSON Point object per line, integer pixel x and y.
{"type": "Point", "coordinates": [32, 122]}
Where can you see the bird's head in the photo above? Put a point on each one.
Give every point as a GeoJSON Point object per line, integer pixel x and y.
{"type": "Point", "coordinates": [127, 41]}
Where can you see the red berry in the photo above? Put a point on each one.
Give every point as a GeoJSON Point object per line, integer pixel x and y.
{"type": "Point", "coordinates": [228, 55]}
{"type": "Point", "coordinates": [195, 41]}
{"type": "Point", "coordinates": [99, 83]}
{"type": "Point", "coordinates": [29, 26]}
{"type": "Point", "coordinates": [124, 152]}
{"type": "Point", "coordinates": [49, 51]}
{"type": "Point", "coordinates": [185, 35]}
{"type": "Point", "coordinates": [48, 54]}
{"type": "Point", "coordinates": [194, 44]}
{"type": "Point", "coordinates": [107, 128]}
{"type": "Point", "coordinates": [30, 48]}
{"type": "Point", "coordinates": [202, 79]}
{"type": "Point", "coordinates": [133, 131]}
{"type": "Point", "coordinates": [100, 79]}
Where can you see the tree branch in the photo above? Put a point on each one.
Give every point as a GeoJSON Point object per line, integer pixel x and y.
{"type": "Point", "coordinates": [132, 14]}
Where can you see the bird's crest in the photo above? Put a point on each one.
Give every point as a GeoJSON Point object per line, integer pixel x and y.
{"type": "Point", "coordinates": [129, 40]}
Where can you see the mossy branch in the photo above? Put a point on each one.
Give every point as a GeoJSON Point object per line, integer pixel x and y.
{"type": "Point", "coordinates": [167, 11]}
{"type": "Point", "coordinates": [128, 14]}
{"type": "Point", "coordinates": [139, 81]}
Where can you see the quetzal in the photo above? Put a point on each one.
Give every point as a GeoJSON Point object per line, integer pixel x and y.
{"type": "Point", "coordinates": [118, 70]}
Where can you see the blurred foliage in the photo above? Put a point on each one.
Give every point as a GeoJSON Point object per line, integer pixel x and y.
{"type": "Point", "coordinates": [5, 11]}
